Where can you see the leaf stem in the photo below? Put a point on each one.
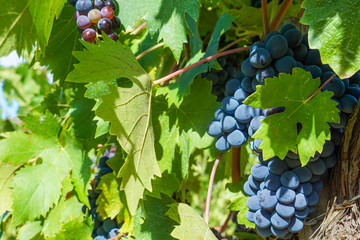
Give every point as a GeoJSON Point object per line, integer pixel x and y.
{"type": "Point", "coordinates": [322, 86]}
{"type": "Point", "coordinates": [178, 72]}
{"type": "Point", "coordinates": [137, 30]}
{"type": "Point", "coordinates": [235, 164]}
{"type": "Point", "coordinates": [274, 25]}
{"type": "Point", "coordinates": [265, 17]}
{"type": "Point", "coordinates": [149, 50]}
{"type": "Point", "coordinates": [211, 183]}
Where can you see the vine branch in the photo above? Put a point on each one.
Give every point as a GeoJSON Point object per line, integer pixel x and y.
{"type": "Point", "coordinates": [137, 30]}
{"type": "Point", "coordinates": [149, 50]}
{"type": "Point", "coordinates": [322, 86]}
{"type": "Point", "coordinates": [235, 164]}
{"type": "Point", "coordinates": [178, 72]}
{"type": "Point", "coordinates": [274, 25]}
{"type": "Point", "coordinates": [265, 17]}
{"type": "Point", "coordinates": [211, 184]}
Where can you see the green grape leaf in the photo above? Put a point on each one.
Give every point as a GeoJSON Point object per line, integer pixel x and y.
{"type": "Point", "coordinates": [25, 22]}
{"type": "Point", "coordinates": [168, 184]}
{"type": "Point", "coordinates": [279, 132]}
{"type": "Point", "coordinates": [30, 231]}
{"type": "Point", "coordinates": [6, 176]}
{"type": "Point", "coordinates": [79, 227]}
{"type": "Point", "coordinates": [63, 40]}
{"type": "Point", "coordinates": [166, 18]}
{"type": "Point", "coordinates": [127, 108]}
{"type": "Point", "coordinates": [156, 225]}
{"type": "Point", "coordinates": [334, 25]}
{"type": "Point", "coordinates": [179, 130]}
{"type": "Point", "coordinates": [192, 226]}
{"type": "Point", "coordinates": [175, 92]}
{"type": "Point", "coordinates": [109, 202]}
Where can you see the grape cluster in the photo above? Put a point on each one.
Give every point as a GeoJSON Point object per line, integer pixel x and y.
{"type": "Point", "coordinates": [219, 78]}
{"type": "Point", "coordinates": [103, 229]}
{"type": "Point", "coordinates": [95, 16]}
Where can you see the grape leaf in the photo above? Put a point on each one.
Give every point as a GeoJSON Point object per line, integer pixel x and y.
{"type": "Point", "coordinates": [109, 202]}
{"type": "Point", "coordinates": [29, 231]}
{"type": "Point", "coordinates": [179, 130]}
{"type": "Point", "coordinates": [167, 184]}
{"type": "Point", "coordinates": [156, 225]}
{"type": "Point", "coordinates": [79, 227]}
{"type": "Point", "coordinates": [175, 92]}
{"type": "Point", "coordinates": [63, 40]}
{"type": "Point", "coordinates": [279, 132]}
{"type": "Point", "coordinates": [166, 17]}
{"type": "Point", "coordinates": [25, 22]}
{"type": "Point", "coordinates": [127, 108]}
{"type": "Point", "coordinates": [334, 25]}
{"type": "Point", "coordinates": [6, 176]}
{"type": "Point", "coordinates": [192, 226]}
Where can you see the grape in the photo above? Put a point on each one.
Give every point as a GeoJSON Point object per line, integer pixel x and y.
{"type": "Point", "coordinates": [278, 232]}
{"type": "Point", "coordinates": [313, 58]}
{"type": "Point", "coordinates": [240, 95]}
{"type": "Point", "coordinates": [278, 221]}
{"type": "Point", "coordinates": [228, 123]}
{"type": "Point", "coordinates": [293, 37]}
{"type": "Point", "coordinates": [259, 171]}
{"type": "Point", "coordinates": [246, 85]}
{"type": "Point", "coordinates": [255, 112]}
{"type": "Point", "coordinates": [110, 4]}
{"type": "Point", "coordinates": [347, 83]}
{"type": "Point", "coordinates": [305, 188]}
{"type": "Point", "coordinates": [313, 198]}
{"type": "Point", "coordinates": [76, 15]}
{"type": "Point", "coordinates": [104, 170]}
{"type": "Point", "coordinates": [236, 138]}
{"type": "Point", "coordinates": [300, 201]}
{"type": "Point", "coordinates": [255, 184]}
{"type": "Point", "coordinates": [222, 144]}
{"type": "Point", "coordinates": [107, 12]}
{"type": "Point", "coordinates": [230, 71]}
{"type": "Point", "coordinates": [116, 22]}
{"type": "Point", "coordinates": [289, 235]}
{"type": "Point", "coordinates": [277, 46]}
{"type": "Point", "coordinates": [290, 180]}
{"type": "Point", "coordinates": [219, 114]}
{"type": "Point", "coordinates": [312, 209]}
{"type": "Point", "coordinates": [328, 149]}
{"type": "Point", "coordinates": [314, 70]}
{"type": "Point", "coordinates": [264, 73]}
{"type": "Point", "coordinates": [254, 145]}
{"type": "Point", "coordinates": [355, 78]}
{"type": "Point", "coordinates": [317, 186]}
{"type": "Point", "coordinates": [229, 105]}
{"type": "Point", "coordinates": [247, 68]}
{"type": "Point", "coordinates": [336, 86]}
{"type": "Point", "coordinates": [277, 166]}
{"type": "Point", "coordinates": [300, 52]}
{"type": "Point", "coordinates": [304, 173]}
{"type": "Point", "coordinates": [241, 127]}
{"type": "Point", "coordinates": [262, 185]}
{"type": "Point", "coordinates": [113, 232]}
{"type": "Point", "coordinates": [102, 162]}
{"type": "Point", "coordinates": [248, 190]}
{"type": "Point", "coordinates": [260, 58]}
{"type": "Point", "coordinates": [348, 103]}
{"type": "Point", "coordinates": [256, 122]}
{"type": "Point", "coordinates": [301, 214]}
{"type": "Point", "coordinates": [99, 3]}
{"type": "Point", "coordinates": [109, 224]}
{"type": "Point", "coordinates": [285, 195]}
{"type": "Point", "coordinates": [326, 75]}
{"type": "Point", "coordinates": [113, 36]}
{"type": "Point", "coordinates": [343, 121]}
{"type": "Point", "coordinates": [213, 77]}
{"type": "Point", "coordinates": [318, 167]}
{"type": "Point", "coordinates": [89, 35]}
{"type": "Point", "coordinates": [305, 40]}
{"type": "Point", "coordinates": [287, 27]}
{"type": "Point", "coordinates": [101, 231]}
{"type": "Point", "coordinates": [214, 129]}
{"type": "Point", "coordinates": [253, 203]}
{"type": "Point", "coordinates": [330, 161]}
{"type": "Point", "coordinates": [262, 218]}
{"type": "Point", "coordinates": [353, 91]}
{"type": "Point", "coordinates": [105, 25]}
{"type": "Point", "coordinates": [296, 225]}
{"type": "Point", "coordinates": [285, 64]}
{"type": "Point", "coordinates": [250, 216]}
{"type": "Point", "coordinates": [285, 210]}
{"type": "Point", "coordinates": [270, 35]}
{"type": "Point", "coordinates": [292, 163]}
{"type": "Point", "coordinates": [272, 182]}
{"type": "Point", "coordinates": [256, 45]}
{"type": "Point", "coordinates": [289, 53]}
{"type": "Point", "coordinates": [99, 237]}
{"type": "Point", "coordinates": [254, 83]}
{"type": "Point", "coordinates": [314, 178]}
{"type": "Point", "coordinates": [83, 22]}
{"type": "Point", "coordinates": [84, 6]}
{"type": "Point", "coordinates": [94, 15]}
{"type": "Point", "coordinates": [265, 232]}
{"type": "Point", "coordinates": [336, 136]}
{"type": "Point", "coordinates": [242, 113]}
{"type": "Point", "coordinates": [232, 85]}
{"type": "Point", "coordinates": [267, 199]}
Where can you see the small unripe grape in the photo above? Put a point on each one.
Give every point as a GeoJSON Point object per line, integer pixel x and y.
{"type": "Point", "coordinates": [94, 15]}
{"type": "Point", "coordinates": [83, 22]}
{"type": "Point", "coordinates": [107, 12]}
{"type": "Point", "coordinates": [89, 35]}
{"type": "Point", "coordinates": [105, 25]}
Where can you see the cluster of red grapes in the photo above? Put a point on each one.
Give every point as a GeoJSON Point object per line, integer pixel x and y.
{"type": "Point", "coordinates": [95, 16]}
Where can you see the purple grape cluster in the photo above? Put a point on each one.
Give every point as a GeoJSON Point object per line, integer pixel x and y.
{"type": "Point", "coordinates": [94, 17]}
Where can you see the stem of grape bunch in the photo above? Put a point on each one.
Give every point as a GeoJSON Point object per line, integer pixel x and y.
{"type": "Point", "coordinates": [211, 184]}
{"type": "Point", "coordinates": [178, 72]}
{"type": "Point", "coordinates": [275, 23]}
{"type": "Point", "coordinates": [265, 17]}
{"type": "Point", "coordinates": [322, 86]}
